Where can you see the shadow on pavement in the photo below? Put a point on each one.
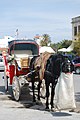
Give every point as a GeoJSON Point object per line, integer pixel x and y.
{"type": "Point", "coordinates": [26, 101]}
{"type": "Point", "coordinates": [60, 114]}
{"type": "Point", "coordinates": [2, 90]}
{"type": "Point", "coordinates": [77, 96]}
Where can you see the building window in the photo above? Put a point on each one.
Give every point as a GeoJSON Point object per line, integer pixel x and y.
{"type": "Point", "coordinates": [75, 31]}
{"type": "Point", "coordinates": [79, 29]}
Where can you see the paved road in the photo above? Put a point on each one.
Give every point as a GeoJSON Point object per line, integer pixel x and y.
{"type": "Point", "coordinates": [26, 110]}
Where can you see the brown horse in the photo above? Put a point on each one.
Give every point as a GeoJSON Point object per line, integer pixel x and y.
{"type": "Point", "coordinates": [37, 67]}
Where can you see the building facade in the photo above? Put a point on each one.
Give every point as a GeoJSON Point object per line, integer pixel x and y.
{"type": "Point", "coordinates": [75, 27]}
{"type": "Point", "coordinates": [4, 43]}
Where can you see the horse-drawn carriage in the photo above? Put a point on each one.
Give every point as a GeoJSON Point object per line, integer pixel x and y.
{"type": "Point", "coordinates": [17, 63]}
{"type": "Point", "coordinates": [23, 63]}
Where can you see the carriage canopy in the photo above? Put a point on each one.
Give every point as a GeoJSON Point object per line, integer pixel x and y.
{"type": "Point", "coordinates": [23, 46]}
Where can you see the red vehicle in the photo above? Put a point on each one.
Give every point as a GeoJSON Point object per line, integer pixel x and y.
{"type": "Point", "coordinates": [76, 63]}
{"type": "Point", "coordinates": [17, 62]}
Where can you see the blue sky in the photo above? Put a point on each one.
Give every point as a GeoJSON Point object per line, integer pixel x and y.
{"type": "Point", "coordinates": [33, 17]}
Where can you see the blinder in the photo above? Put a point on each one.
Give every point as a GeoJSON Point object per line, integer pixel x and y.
{"type": "Point", "coordinates": [67, 66]}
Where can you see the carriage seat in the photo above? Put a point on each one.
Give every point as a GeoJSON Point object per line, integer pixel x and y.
{"type": "Point", "coordinates": [24, 62]}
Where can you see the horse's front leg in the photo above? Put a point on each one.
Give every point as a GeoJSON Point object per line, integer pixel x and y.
{"type": "Point", "coordinates": [47, 96]}
{"type": "Point", "coordinates": [52, 96]}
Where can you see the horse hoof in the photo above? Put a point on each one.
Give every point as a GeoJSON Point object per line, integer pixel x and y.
{"type": "Point", "coordinates": [53, 109]}
{"type": "Point", "coordinates": [34, 103]}
{"type": "Point", "coordinates": [47, 109]}
{"type": "Point", "coordinates": [34, 100]}
{"type": "Point", "coordinates": [38, 102]}
{"type": "Point", "coordinates": [72, 110]}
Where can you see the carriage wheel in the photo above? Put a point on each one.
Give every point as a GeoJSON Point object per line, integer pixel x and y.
{"type": "Point", "coordinates": [16, 88]}
{"type": "Point", "coordinates": [5, 82]}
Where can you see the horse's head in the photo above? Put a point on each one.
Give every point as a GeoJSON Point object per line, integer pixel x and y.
{"type": "Point", "coordinates": [58, 63]}
{"type": "Point", "coordinates": [67, 65]}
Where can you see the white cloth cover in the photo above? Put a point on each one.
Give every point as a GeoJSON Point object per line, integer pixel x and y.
{"type": "Point", "coordinates": [64, 92]}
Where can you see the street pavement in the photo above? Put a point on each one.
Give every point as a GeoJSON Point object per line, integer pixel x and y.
{"type": "Point", "coordinates": [27, 110]}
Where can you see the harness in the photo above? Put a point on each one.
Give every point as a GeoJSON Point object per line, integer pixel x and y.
{"type": "Point", "coordinates": [67, 67]}
{"type": "Point", "coordinates": [57, 64]}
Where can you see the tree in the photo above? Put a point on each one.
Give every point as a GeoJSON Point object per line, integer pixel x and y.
{"type": "Point", "coordinates": [45, 40]}
{"type": "Point", "coordinates": [61, 44]}
{"type": "Point", "coordinates": [65, 44]}
{"type": "Point", "coordinates": [77, 44]}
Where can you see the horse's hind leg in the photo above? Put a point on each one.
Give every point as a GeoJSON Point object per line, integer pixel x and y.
{"type": "Point", "coordinates": [39, 85]}
{"type": "Point", "coordinates": [33, 87]}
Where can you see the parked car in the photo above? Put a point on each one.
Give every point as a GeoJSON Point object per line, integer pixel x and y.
{"type": "Point", "coordinates": [76, 63]}
{"type": "Point", "coordinates": [1, 64]}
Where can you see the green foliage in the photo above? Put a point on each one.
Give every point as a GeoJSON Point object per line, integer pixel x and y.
{"type": "Point", "coordinates": [46, 40]}
{"type": "Point", "coordinates": [61, 44]}
{"type": "Point", "coordinates": [65, 44]}
{"type": "Point", "coordinates": [77, 45]}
